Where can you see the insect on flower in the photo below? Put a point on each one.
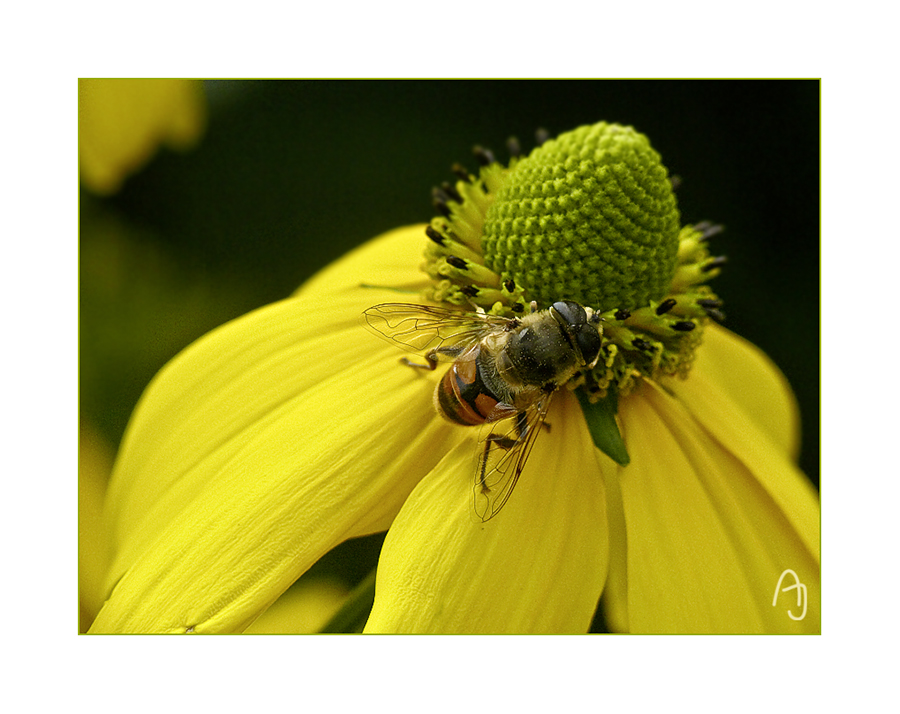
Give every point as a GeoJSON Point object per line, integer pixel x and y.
{"type": "Point", "coordinates": [503, 370]}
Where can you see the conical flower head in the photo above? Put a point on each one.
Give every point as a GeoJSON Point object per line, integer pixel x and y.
{"type": "Point", "coordinates": [589, 216]}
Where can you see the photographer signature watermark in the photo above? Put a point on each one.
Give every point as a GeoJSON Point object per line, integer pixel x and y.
{"type": "Point", "coordinates": [801, 593]}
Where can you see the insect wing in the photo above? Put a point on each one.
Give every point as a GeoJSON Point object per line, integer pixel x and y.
{"type": "Point", "coordinates": [423, 327]}
{"type": "Point", "coordinates": [502, 456]}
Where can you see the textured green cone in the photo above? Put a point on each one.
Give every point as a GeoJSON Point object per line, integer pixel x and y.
{"type": "Point", "coordinates": [589, 216]}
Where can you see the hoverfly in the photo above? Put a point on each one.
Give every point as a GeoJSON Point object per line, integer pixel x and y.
{"type": "Point", "coordinates": [503, 374]}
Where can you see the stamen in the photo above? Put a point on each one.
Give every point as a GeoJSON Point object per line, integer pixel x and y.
{"type": "Point", "coordinates": [640, 344]}
{"type": "Point", "coordinates": [439, 201]}
{"type": "Point", "coordinates": [709, 302]}
{"type": "Point", "coordinates": [714, 263]}
{"type": "Point", "coordinates": [451, 192]}
{"type": "Point", "coordinates": [716, 315]}
{"type": "Point", "coordinates": [646, 339]}
{"type": "Point", "coordinates": [461, 173]}
{"type": "Point", "coordinates": [484, 156]}
{"type": "Point", "coordinates": [708, 229]}
{"type": "Point", "coordinates": [665, 306]}
{"type": "Point", "coordinates": [435, 236]}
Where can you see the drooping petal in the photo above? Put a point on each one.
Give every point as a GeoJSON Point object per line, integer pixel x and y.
{"type": "Point", "coordinates": [538, 566]}
{"type": "Point", "coordinates": [707, 541]}
{"type": "Point", "coordinates": [742, 374]}
{"type": "Point", "coordinates": [746, 404]}
{"type": "Point", "coordinates": [259, 448]}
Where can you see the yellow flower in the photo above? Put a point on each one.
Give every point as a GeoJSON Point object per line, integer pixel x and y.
{"type": "Point", "coordinates": [122, 122]}
{"type": "Point", "coordinates": [281, 434]}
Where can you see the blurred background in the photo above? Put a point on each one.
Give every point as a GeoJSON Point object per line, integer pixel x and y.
{"type": "Point", "coordinates": [271, 180]}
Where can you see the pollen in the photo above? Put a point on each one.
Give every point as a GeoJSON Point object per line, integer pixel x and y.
{"type": "Point", "coordinates": [590, 216]}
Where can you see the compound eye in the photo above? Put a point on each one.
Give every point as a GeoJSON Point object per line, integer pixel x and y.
{"type": "Point", "coordinates": [589, 343]}
{"type": "Point", "coordinates": [571, 312]}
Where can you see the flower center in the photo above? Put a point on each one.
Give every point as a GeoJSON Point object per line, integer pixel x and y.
{"type": "Point", "coordinates": [591, 217]}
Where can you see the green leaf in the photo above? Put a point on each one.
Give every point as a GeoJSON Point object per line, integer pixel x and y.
{"type": "Point", "coordinates": [601, 420]}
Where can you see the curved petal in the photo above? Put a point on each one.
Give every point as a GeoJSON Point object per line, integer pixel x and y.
{"type": "Point", "coordinates": [538, 566]}
{"type": "Point", "coordinates": [746, 405]}
{"type": "Point", "coordinates": [258, 449]}
{"type": "Point", "coordinates": [707, 542]}
{"type": "Point", "coordinates": [303, 609]}
{"type": "Point", "coordinates": [740, 372]}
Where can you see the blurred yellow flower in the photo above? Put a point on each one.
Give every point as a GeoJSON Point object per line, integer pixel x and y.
{"type": "Point", "coordinates": [122, 122]}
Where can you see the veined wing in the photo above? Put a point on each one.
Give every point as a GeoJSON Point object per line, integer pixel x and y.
{"type": "Point", "coordinates": [424, 327]}
{"type": "Point", "coordinates": [502, 456]}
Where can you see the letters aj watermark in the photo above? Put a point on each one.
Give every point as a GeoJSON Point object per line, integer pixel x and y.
{"type": "Point", "coordinates": [801, 593]}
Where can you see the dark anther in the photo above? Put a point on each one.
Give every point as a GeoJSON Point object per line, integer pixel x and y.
{"type": "Point", "coordinates": [541, 136]}
{"type": "Point", "coordinates": [439, 201]}
{"type": "Point", "coordinates": [451, 191]}
{"type": "Point", "coordinates": [622, 314]}
{"type": "Point", "coordinates": [469, 291]}
{"type": "Point", "coordinates": [665, 306]}
{"type": "Point", "coordinates": [513, 147]}
{"type": "Point", "coordinates": [457, 262]}
{"type": "Point", "coordinates": [684, 326]}
{"type": "Point", "coordinates": [675, 182]}
{"type": "Point", "coordinates": [460, 172]}
{"type": "Point", "coordinates": [509, 284]}
{"type": "Point", "coordinates": [708, 229]}
{"type": "Point", "coordinates": [484, 156]}
{"type": "Point", "coordinates": [434, 235]}
{"type": "Point", "coordinates": [709, 302]}
{"type": "Point", "coordinates": [640, 344]}
{"type": "Point", "coordinates": [517, 307]}
{"type": "Point", "coordinates": [716, 315]}
{"type": "Point", "coordinates": [715, 263]}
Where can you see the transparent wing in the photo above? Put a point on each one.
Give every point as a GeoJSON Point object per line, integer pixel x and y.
{"type": "Point", "coordinates": [421, 328]}
{"type": "Point", "coordinates": [502, 456]}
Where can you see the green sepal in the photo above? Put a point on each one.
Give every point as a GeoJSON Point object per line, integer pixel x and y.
{"type": "Point", "coordinates": [601, 420]}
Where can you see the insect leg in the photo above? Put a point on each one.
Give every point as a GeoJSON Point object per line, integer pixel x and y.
{"type": "Point", "coordinates": [504, 442]}
{"type": "Point", "coordinates": [431, 357]}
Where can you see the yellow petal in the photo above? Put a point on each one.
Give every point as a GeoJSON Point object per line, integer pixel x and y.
{"type": "Point", "coordinates": [94, 464]}
{"type": "Point", "coordinates": [745, 403]}
{"type": "Point", "coordinates": [121, 123]}
{"type": "Point", "coordinates": [305, 608]}
{"type": "Point", "coordinates": [730, 365]}
{"type": "Point", "coordinates": [707, 542]}
{"type": "Point", "coordinates": [259, 448]}
{"type": "Point", "coordinates": [538, 566]}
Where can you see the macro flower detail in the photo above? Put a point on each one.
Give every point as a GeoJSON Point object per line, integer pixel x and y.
{"type": "Point", "coordinates": [283, 433]}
